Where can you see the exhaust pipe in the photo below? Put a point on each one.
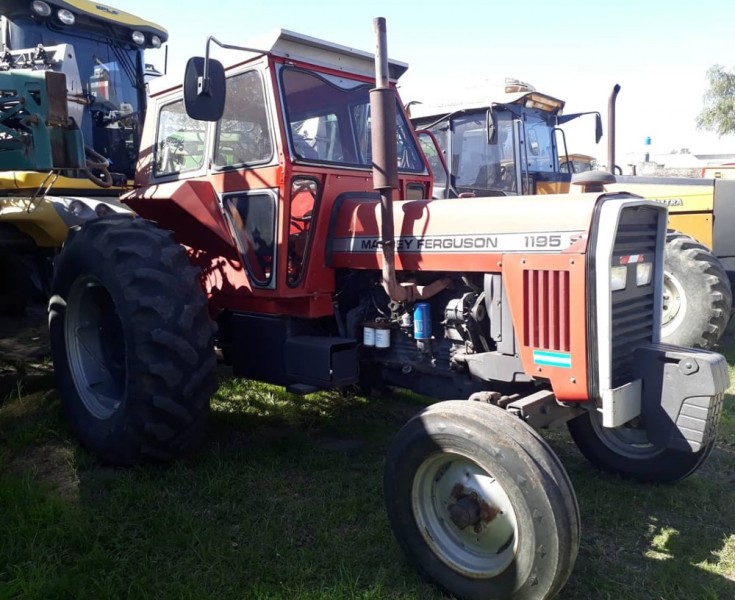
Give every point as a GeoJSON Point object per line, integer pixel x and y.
{"type": "Point", "coordinates": [385, 173]}
{"type": "Point", "coordinates": [611, 129]}
{"type": "Point", "coordinates": [385, 159]}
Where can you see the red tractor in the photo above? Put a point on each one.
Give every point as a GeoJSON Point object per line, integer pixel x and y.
{"type": "Point", "coordinates": [258, 211]}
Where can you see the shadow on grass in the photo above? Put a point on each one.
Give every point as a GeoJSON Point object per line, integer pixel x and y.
{"type": "Point", "coordinates": [641, 542]}
{"type": "Point", "coordinates": [285, 501]}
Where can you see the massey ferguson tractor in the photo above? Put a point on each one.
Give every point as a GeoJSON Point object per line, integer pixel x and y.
{"type": "Point", "coordinates": [267, 228]}
{"type": "Point", "coordinates": [513, 145]}
{"type": "Point", "coordinates": [72, 101]}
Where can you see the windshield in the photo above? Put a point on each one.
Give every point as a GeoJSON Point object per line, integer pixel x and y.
{"type": "Point", "coordinates": [477, 165]}
{"type": "Point", "coordinates": [329, 121]}
{"type": "Point", "coordinates": [110, 86]}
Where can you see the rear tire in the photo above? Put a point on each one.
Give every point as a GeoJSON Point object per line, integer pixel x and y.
{"type": "Point", "coordinates": [626, 451]}
{"type": "Point", "coordinates": [459, 453]}
{"type": "Point", "coordinates": [131, 341]}
{"type": "Point", "coordinates": [697, 294]}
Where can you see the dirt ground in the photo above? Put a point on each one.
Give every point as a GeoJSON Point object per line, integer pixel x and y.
{"type": "Point", "coordinates": [24, 339]}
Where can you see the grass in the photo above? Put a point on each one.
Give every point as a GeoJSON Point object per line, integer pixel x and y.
{"type": "Point", "coordinates": [285, 501]}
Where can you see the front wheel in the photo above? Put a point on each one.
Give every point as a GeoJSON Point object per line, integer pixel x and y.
{"type": "Point", "coordinates": [131, 341]}
{"type": "Point", "coordinates": [626, 451]}
{"type": "Point", "coordinates": [480, 504]}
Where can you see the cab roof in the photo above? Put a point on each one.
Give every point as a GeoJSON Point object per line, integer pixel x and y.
{"type": "Point", "coordinates": [94, 11]}
{"type": "Point", "coordinates": [291, 45]}
{"type": "Point", "coordinates": [303, 48]}
{"type": "Point", "coordinates": [485, 96]}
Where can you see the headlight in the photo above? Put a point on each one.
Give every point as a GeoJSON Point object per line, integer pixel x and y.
{"type": "Point", "coordinates": [102, 210]}
{"type": "Point", "coordinates": [138, 37]}
{"type": "Point", "coordinates": [40, 8]}
{"type": "Point", "coordinates": [66, 16]}
{"type": "Point", "coordinates": [155, 41]}
{"type": "Point", "coordinates": [618, 277]}
{"type": "Point", "coordinates": [643, 273]}
{"type": "Point", "coordinates": [77, 208]}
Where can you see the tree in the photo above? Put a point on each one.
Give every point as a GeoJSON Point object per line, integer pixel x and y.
{"type": "Point", "coordinates": [718, 113]}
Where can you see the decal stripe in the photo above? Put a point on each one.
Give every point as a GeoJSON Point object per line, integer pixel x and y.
{"type": "Point", "coordinates": [552, 359]}
{"type": "Point", "coordinates": [536, 241]}
{"type": "Point", "coordinates": [632, 259]}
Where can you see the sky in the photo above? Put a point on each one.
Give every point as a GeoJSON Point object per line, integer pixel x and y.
{"type": "Point", "coordinates": [657, 51]}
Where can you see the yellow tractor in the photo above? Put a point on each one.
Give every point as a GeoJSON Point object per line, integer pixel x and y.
{"type": "Point", "coordinates": [577, 163]}
{"type": "Point", "coordinates": [72, 102]}
{"type": "Point", "coordinates": [701, 247]}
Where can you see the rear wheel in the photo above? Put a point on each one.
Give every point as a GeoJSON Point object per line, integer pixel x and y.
{"type": "Point", "coordinates": [626, 451]}
{"type": "Point", "coordinates": [697, 295]}
{"type": "Point", "coordinates": [131, 341]}
{"type": "Point", "coordinates": [480, 505]}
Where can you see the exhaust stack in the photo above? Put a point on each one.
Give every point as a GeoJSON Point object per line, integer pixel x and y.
{"type": "Point", "coordinates": [385, 173]}
{"type": "Point", "coordinates": [385, 160]}
{"type": "Point", "coordinates": [611, 128]}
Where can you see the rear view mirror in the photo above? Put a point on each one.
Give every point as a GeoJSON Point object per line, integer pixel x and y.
{"type": "Point", "coordinates": [598, 128]}
{"type": "Point", "coordinates": [204, 89]}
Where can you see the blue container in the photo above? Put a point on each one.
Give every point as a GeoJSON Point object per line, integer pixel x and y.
{"type": "Point", "coordinates": [422, 321]}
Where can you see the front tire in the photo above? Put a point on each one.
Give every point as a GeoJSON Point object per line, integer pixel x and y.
{"type": "Point", "coordinates": [626, 451]}
{"type": "Point", "coordinates": [480, 505]}
{"type": "Point", "coordinates": [131, 341]}
{"type": "Point", "coordinates": [697, 295]}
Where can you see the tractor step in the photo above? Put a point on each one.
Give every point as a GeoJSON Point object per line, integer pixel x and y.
{"type": "Point", "coordinates": [325, 362]}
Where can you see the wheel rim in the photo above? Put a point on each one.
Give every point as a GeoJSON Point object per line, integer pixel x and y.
{"type": "Point", "coordinates": [628, 440]}
{"type": "Point", "coordinates": [449, 487]}
{"type": "Point", "coordinates": [95, 347]}
{"type": "Point", "coordinates": [674, 304]}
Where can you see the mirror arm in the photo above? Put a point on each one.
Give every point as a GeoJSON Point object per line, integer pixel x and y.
{"type": "Point", "coordinates": [203, 81]}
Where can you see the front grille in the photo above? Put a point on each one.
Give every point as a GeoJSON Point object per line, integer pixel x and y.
{"type": "Point", "coordinates": [546, 302]}
{"type": "Point", "coordinates": [633, 307]}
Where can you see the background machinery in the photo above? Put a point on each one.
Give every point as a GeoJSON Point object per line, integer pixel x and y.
{"type": "Point", "coordinates": [516, 146]}
{"type": "Point", "coordinates": [702, 213]}
{"type": "Point", "coordinates": [72, 101]}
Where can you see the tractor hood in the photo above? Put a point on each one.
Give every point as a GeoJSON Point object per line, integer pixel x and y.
{"type": "Point", "coordinates": [437, 234]}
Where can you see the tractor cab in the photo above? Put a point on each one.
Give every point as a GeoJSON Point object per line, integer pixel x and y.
{"type": "Point", "coordinates": [502, 148]}
{"type": "Point", "coordinates": [293, 143]}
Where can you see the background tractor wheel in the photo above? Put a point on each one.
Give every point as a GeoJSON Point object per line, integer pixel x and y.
{"type": "Point", "coordinates": [131, 341]}
{"type": "Point", "coordinates": [626, 451]}
{"type": "Point", "coordinates": [697, 295]}
{"type": "Point", "coordinates": [480, 504]}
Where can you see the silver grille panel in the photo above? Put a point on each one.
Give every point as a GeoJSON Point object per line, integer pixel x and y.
{"type": "Point", "coordinates": [633, 319]}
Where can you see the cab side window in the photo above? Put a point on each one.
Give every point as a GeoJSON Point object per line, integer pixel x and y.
{"type": "Point", "coordinates": [243, 135]}
{"type": "Point", "coordinates": [180, 141]}
{"type": "Point", "coordinates": [253, 218]}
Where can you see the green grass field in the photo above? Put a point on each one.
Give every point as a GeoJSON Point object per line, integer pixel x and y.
{"type": "Point", "coordinates": [285, 501]}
